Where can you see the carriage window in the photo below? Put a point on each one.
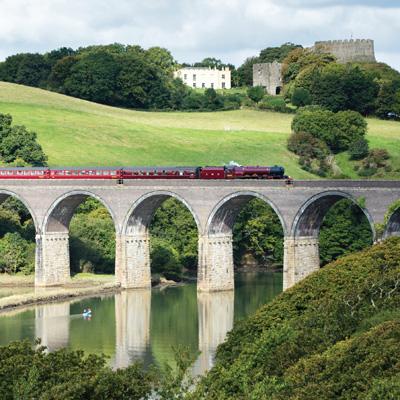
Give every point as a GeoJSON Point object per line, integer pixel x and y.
{"type": "Point", "coordinates": [113, 173]}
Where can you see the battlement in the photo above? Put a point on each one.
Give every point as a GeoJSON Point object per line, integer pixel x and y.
{"type": "Point", "coordinates": [344, 42]}
{"type": "Point", "coordinates": [348, 50]}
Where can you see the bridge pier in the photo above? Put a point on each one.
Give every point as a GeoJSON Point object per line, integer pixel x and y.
{"type": "Point", "coordinates": [215, 269]}
{"type": "Point", "coordinates": [132, 261]}
{"type": "Point", "coordinates": [301, 258]}
{"type": "Point", "coordinates": [52, 259]}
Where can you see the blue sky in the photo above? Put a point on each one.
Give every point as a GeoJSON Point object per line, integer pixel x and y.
{"type": "Point", "coordinates": [193, 29]}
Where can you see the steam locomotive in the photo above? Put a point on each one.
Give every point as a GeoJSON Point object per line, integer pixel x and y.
{"type": "Point", "coordinates": [230, 171]}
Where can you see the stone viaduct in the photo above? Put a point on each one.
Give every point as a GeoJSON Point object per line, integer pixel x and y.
{"type": "Point", "coordinates": [301, 208]}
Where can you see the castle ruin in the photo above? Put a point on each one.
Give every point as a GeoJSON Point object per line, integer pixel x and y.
{"type": "Point", "coordinates": [269, 76]}
{"type": "Point", "coordinates": [353, 50]}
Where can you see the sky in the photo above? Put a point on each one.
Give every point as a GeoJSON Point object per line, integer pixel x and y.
{"type": "Point", "coordinates": [230, 30]}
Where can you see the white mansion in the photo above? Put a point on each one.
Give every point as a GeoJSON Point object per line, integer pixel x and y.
{"type": "Point", "coordinates": [204, 77]}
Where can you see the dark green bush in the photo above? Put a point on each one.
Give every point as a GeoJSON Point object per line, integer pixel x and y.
{"type": "Point", "coordinates": [301, 97]}
{"type": "Point", "coordinates": [359, 149]}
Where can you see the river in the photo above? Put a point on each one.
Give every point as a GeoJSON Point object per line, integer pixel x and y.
{"type": "Point", "coordinates": [144, 324]}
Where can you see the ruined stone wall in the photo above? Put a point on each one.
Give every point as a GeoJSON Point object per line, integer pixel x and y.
{"type": "Point", "coordinates": [269, 76]}
{"type": "Point", "coordinates": [358, 50]}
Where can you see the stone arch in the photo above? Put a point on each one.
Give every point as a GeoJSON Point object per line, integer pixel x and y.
{"type": "Point", "coordinates": [53, 258]}
{"type": "Point", "coordinates": [310, 216]}
{"type": "Point", "coordinates": [142, 211]}
{"type": "Point", "coordinates": [216, 269]}
{"type": "Point", "coordinates": [60, 213]}
{"type": "Point", "coordinates": [392, 227]}
{"type": "Point", "coordinates": [134, 242]}
{"type": "Point", "coordinates": [5, 194]}
{"type": "Point", "coordinates": [223, 216]}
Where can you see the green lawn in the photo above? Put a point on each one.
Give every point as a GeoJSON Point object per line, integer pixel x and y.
{"type": "Point", "coordinates": [77, 132]}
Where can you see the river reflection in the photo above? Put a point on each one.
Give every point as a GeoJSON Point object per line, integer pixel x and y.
{"type": "Point", "coordinates": [144, 325]}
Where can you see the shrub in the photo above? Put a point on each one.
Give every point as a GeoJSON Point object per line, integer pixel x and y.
{"type": "Point", "coordinates": [359, 149]}
{"type": "Point", "coordinates": [377, 158]}
{"type": "Point", "coordinates": [301, 97]}
{"type": "Point", "coordinates": [256, 93]}
{"type": "Point", "coordinates": [306, 145]}
{"type": "Point", "coordinates": [337, 130]}
{"type": "Point", "coordinates": [274, 103]}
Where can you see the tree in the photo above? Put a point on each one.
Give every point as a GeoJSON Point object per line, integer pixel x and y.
{"type": "Point", "coordinates": [17, 142]}
{"type": "Point", "coordinates": [271, 54]}
{"type": "Point", "coordinates": [256, 93]}
{"type": "Point", "coordinates": [162, 58]}
{"type": "Point", "coordinates": [245, 72]}
{"type": "Point", "coordinates": [388, 99]}
{"type": "Point", "coordinates": [94, 77]}
{"type": "Point", "coordinates": [341, 87]}
{"type": "Point", "coordinates": [16, 254]}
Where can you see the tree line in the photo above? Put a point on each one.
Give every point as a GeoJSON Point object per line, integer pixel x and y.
{"type": "Point", "coordinates": [117, 75]}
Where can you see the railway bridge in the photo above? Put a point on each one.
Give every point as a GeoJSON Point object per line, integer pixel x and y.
{"type": "Point", "coordinates": [301, 208]}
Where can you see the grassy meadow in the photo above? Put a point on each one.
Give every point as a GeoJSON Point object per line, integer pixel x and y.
{"type": "Point", "coordinates": [77, 133]}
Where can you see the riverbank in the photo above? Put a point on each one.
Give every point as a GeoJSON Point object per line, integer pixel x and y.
{"type": "Point", "coordinates": [18, 291]}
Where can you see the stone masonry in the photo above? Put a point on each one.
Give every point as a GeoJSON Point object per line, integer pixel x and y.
{"type": "Point", "coordinates": [359, 50]}
{"type": "Point", "coordinates": [269, 76]}
{"type": "Point", "coordinates": [300, 206]}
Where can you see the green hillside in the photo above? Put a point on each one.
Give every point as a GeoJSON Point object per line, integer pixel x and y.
{"type": "Point", "coordinates": [77, 132]}
{"type": "Point", "coordinates": [334, 335]}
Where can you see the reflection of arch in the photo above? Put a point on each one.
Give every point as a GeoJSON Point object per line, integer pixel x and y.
{"type": "Point", "coordinates": [311, 214]}
{"type": "Point", "coordinates": [5, 194]}
{"type": "Point", "coordinates": [223, 216]}
{"type": "Point", "coordinates": [393, 225]}
{"type": "Point", "coordinates": [141, 213]}
{"type": "Point", "coordinates": [60, 213]}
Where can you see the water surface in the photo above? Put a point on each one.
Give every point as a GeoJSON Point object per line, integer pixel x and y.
{"type": "Point", "coordinates": [144, 324]}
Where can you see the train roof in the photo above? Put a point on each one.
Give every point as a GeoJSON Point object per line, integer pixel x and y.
{"type": "Point", "coordinates": [96, 168]}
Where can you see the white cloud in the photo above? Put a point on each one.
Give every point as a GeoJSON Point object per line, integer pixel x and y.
{"type": "Point", "coordinates": [228, 29]}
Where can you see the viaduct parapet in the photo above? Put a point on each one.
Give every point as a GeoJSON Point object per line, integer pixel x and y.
{"type": "Point", "coordinates": [301, 208]}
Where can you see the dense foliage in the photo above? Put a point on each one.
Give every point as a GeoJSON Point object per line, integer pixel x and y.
{"type": "Point", "coordinates": [334, 335]}
{"type": "Point", "coordinates": [318, 133]}
{"type": "Point", "coordinates": [314, 78]}
{"type": "Point", "coordinates": [117, 75]}
{"type": "Point", "coordinates": [18, 145]}
{"type": "Point", "coordinates": [28, 373]}
{"type": "Point", "coordinates": [337, 130]}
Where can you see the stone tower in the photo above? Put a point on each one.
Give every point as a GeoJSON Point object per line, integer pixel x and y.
{"type": "Point", "coordinates": [353, 50]}
{"type": "Point", "coordinates": [269, 76]}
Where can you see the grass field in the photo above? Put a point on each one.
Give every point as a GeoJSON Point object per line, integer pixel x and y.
{"type": "Point", "coordinates": [76, 132]}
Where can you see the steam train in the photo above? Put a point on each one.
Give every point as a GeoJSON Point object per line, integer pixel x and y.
{"type": "Point", "coordinates": [120, 173]}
